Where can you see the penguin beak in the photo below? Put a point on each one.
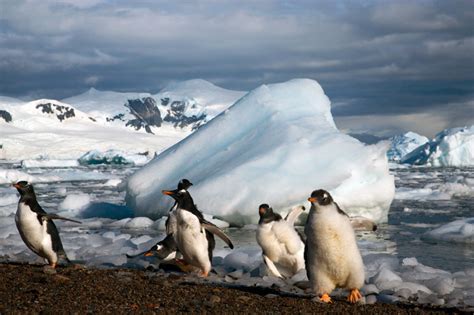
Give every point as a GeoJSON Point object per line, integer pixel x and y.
{"type": "Point", "coordinates": [16, 186]}
{"type": "Point", "coordinates": [168, 192]}
{"type": "Point", "coordinates": [312, 199]}
{"type": "Point", "coordinates": [261, 211]}
{"type": "Point", "coordinates": [148, 254]}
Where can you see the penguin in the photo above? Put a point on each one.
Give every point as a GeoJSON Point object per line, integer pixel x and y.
{"type": "Point", "coordinates": [36, 227]}
{"type": "Point", "coordinates": [331, 254]}
{"type": "Point", "coordinates": [282, 246]}
{"type": "Point", "coordinates": [194, 235]}
{"type": "Point", "coordinates": [166, 248]}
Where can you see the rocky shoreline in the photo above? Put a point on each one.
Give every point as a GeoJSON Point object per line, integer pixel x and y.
{"type": "Point", "coordinates": [33, 289]}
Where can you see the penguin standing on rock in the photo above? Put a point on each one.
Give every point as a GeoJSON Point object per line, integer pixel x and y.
{"type": "Point", "coordinates": [194, 235]}
{"type": "Point", "coordinates": [282, 246]}
{"type": "Point", "coordinates": [331, 253]}
{"type": "Point", "coordinates": [36, 227]}
{"type": "Point", "coordinates": [166, 248]}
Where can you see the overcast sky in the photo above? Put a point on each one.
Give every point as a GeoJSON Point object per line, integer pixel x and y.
{"type": "Point", "coordinates": [387, 66]}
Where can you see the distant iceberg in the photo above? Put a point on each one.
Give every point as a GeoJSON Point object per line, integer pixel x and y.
{"type": "Point", "coordinates": [451, 147]}
{"type": "Point", "coordinates": [275, 145]}
{"type": "Point", "coordinates": [114, 157]}
{"type": "Point", "coordinates": [403, 144]}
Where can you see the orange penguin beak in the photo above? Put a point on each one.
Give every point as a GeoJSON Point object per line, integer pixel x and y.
{"type": "Point", "coordinates": [148, 254]}
{"type": "Point", "coordinates": [167, 192]}
{"type": "Point", "coordinates": [16, 186]}
{"type": "Point", "coordinates": [312, 199]}
{"type": "Point", "coordinates": [261, 211]}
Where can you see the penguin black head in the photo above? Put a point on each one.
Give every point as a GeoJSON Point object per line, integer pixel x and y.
{"type": "Point", "coordinates": [266, 214]}
{"type": "Point", "coordinates": [182, 197]}
{"type": "Point", "coordinates": [320, 197]}
{"type": "Point", "coordinates": [184, 184]}
{"type": "Point", "coordinates": [24, 188]}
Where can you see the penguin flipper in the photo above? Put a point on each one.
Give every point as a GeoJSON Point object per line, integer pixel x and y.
{"type": "Point", "coordinates": [271, 267]}
{"type": "Point", "coordinates": [52, 216]}
{"type": "Point", "coordinates": [294, 214]}
{"type": "Point", "coordinates": [216, 231]}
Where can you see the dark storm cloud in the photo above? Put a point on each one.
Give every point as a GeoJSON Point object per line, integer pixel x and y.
{"type": "Point", "coordinates": [390, 59]}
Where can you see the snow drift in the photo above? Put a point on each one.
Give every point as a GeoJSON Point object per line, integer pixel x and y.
{"type": "Point", "coordinates": [275, 145]}
{"type": "Point", "coordinates": [451, 147]}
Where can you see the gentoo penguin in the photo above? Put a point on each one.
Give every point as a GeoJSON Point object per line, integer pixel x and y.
{"type": "Point", "coordinates": [36, 227]}
{"type": "Point", "coordinates": [331, 254]}
{"type": "Point", "coordinates": [282, 247]}
{"type": "Point", "coordinates": [166, 248]}
{"type": "Point", "coordinates": [194, 235]}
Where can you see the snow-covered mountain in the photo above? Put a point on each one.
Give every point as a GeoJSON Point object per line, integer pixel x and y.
{"type": "Point", "coordinates": [403, 144]}
{"type": "Point", "coordinates": [186, 105]}
{"type": "Point", "coordinates": [107, 120]}
{"type": "Point", "coordinates": [275, 145]}
{"type": "Point", "coordinates": [451, 147]}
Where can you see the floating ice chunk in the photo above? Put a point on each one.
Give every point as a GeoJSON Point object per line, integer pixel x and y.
{"type": "Point", "coordinates": [369, 289]}
{"type": "Point", "coordinates": [13, 176]}
{"type": "Point", "coordinates": [109, 234]}
{"type": "Point", "coordinates": [375, 262]}
{"type": "Point", "coordinates": [6, 200]}
{"type": "Point", "coordinates": [160, 224]}
{"type": "Point", "coordinates": [141, 239]}
{"type": "Point", "coordinates": [74, 203]}
{"type": "Point", "coordinates": [61, 191]}
{"type": "Point", "coordinates": [410, 261]}
{"type": "Point", "coordinates": [49, 163]}
{"type": "Point", "coordinates": [245, 260]}
{"type": "Point", "coordinates": [139, 223]}
{"type": "Point", "coordinates": [386, 279]}
{"type": "Point", "coordinates": [114, 182]}
{"type": "Point", "coordinates": [120, 223]}
{"type": "Point", "coordinates": [459, 231]}
{"type": "Point", "coordinates": [441, 285]}
{"type": "Point", "coordinates": [113, 157]}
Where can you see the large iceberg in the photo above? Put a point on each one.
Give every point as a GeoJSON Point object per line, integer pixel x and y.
{"type": "Point", "coordinates": [451, 147]}
{"type": "Point", "coordinates": [403, 144]}
{"type": "Point", "coordinates": [275, 145]}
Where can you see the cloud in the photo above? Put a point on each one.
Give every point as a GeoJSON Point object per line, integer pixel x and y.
{"type": "Point", "coordinates": [386, 57]}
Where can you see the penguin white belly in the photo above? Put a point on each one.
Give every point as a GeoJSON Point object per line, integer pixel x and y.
{"type": "Point", "coordinates": [333, 255]}
{"type": "Point", "coordinates": [33, 233]}
{"type": "Point", "coordinates": [191, 240]}
{"type": "Point", "coordinates": [282, 245]}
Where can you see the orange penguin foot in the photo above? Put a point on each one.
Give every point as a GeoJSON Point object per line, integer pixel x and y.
{"type": "Point", "coordinates": [325, 298]}
{"type": "Point", "coordinates": [184, 266]}
{"type": "Point", "coordinates": [148, 254]}
{"type": "Point", "coordinates": [354, 296]}
{"type": "Point", "coordinates": [204, 274]}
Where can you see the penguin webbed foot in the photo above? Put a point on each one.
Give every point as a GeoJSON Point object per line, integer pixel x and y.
{"type": "Point", "coordinates": [354, 296]}
{"type": "Point", "coordinates": [325, 298]}
{"type": "Point", "coordinates": [184, 266]}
